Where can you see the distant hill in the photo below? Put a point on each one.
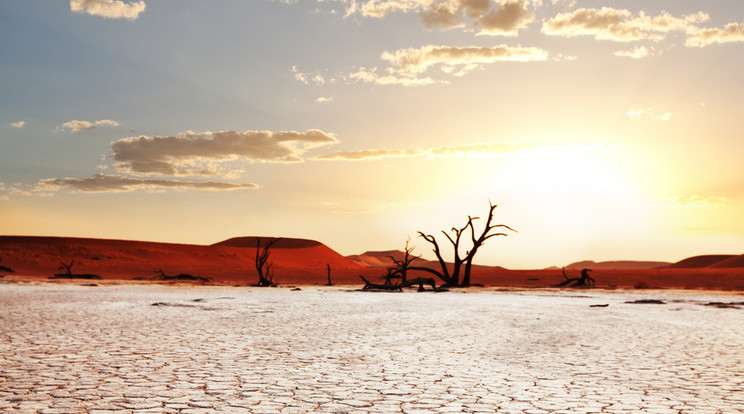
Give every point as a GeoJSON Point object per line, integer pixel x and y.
{"type": "Point", "coordinates": [617, 264]}
{"type": "Point", "coordinates": [283, 243]}
{"type": "Point", "coordinates": [710, 260]}
{"type": "Point", "coordinates": [230, 260]}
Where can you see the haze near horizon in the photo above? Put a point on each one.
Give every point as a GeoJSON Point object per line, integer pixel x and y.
{"type": "Point", "coordinates": [604, 130]}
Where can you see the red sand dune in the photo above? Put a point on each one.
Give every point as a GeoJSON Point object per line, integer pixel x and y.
{"type": "Point", "coordinates": [295, 260]}
{"type": "Point", "coordinates": [698, 262]}
{"type": "Point", "coordinates": [617, 264]}
{"type": "Point", "coordinates": [303, 262]}
{"type": "Point", "coordinates": [730, 263]}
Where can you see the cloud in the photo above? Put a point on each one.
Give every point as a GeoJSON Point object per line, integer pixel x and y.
{"type": "Point", "coordinates": [115, 183]}
{"type": "Point", "coordinates": [648, 114]}
{"type": "Point", "coordinates": [371, 76]}
{"type": "Point", "coordinates": [77, 126]}
{"type": "Point", "coordinates": [499, 17]}
{"type": "Point", "coordinates": [370, 154]}
{"type": "Point", "coordinates": [410, 62]}
{"type": "Point", "coordinates": [19, 124]}
{"type": "Point", "coordinates": [700, 37]}
{"type": "Point", "coordinates": [618, 24]}
{"type": "Point", "coordinates": [191, 153]}
{"type": "Point", "coordinates": [507, 19]}
{"type": "Point", "coordinates": [690, 201]}
{"type": "Point", "coordinates": [112, 9]}
{"type": "Point", "coordinates": [637, 52]}
{"type": "Point", "coordinates": [308, 78]}
{"type": "Point", "coordinates": [323, 99]}
{"type": "Point", "coordinates": [451, 151]}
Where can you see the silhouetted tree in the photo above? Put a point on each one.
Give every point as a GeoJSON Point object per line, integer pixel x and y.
{"type": "Point", "coordinates": [328, 268]}
{"type": "Point", "coordinates": [452, 278]}
{"type": "Point", "coordinates": [263, 266]}
{"type": "Point", "coordinates": [66, 267]}
{"type": "Point", "coordinates": [400, 267]}
{"type": "Point", "coordinates": [70, 275]}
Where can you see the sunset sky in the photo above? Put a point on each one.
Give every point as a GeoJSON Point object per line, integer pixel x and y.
{"type": "Point", "coordinates": [604, 130]}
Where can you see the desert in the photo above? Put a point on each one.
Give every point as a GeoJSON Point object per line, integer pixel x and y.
{"type": "Point", "coordinates": [660, 340]}
{"type": "Point", "coordinates": [306, 262]}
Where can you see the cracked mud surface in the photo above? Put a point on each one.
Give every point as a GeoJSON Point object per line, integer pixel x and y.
{"type": "Point", "coordinates": [105, 349]}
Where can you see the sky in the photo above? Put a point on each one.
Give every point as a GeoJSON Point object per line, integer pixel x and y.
{"type": "Point", "coordinates": [603, 130]}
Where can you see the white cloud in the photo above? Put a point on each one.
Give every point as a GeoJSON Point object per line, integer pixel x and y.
{"type": "Point", "coordinates": [368, 75]}
{"type": "Point", "coordinates": [370, 154]}
{"type": "Point", "coordinates": [453, 151]}
{"type": "Point", "coordinates": [115, 183]}
{"type": "Point", "coordinates": [323, 99]}
{"type": "Point", "coordinates": [648, 114]}
{"type": "Point", "coordinates": [411, 62]}
{"type": "Point", "coordinates": [493, 17]}
{"type": "Point", "coordinates": [690, 201]}
{"type": "Point", "coordinates": [77, 126]}
{"type": "Point", "coordinates": [19, 124]}
{"type": "Point", "coordinates": [308, 78]}
{"type": "Point", "coordinates": [618, 24]}
{"type": "Point", "coordinates": [112, 9]}
{"type": "Point", "coordinates": [700, 37]}
{"type": "Point", "coordinates": [637, 52]}
{"type": "Point", "coordinates": [198, 153]}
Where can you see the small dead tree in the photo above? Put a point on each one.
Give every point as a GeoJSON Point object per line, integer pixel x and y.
{"type": "Point", "coordinates": [66, 267]}
{"type": "Point", "coordinates": [453, 278]}
{"type": "Point", "coordinates": [70, 275]}
{"type": "Point", "coordinates": [263, 266]}
{"type": "Point", "coordinates": [400, 266]}
{"type": "Point", "coordinates": [328, 268]}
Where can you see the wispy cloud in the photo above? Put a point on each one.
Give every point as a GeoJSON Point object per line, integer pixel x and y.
{"type": "Point", "coordinates": [648, 114]}
{"type": "Point", "coordinates": [407, 66]}
{"type": "Point", "coordinates": [116, 183]}
{"type": "Point", "coordinates": [112, 9]}
{"type": "Point", "coordinates": [191, 153]}
{"type": "Point", "coordinates": [637, 52]}
{"type": "Point", "coordinates": [619, 25]}
{"type": "Point", "coordinates": [323, 99]}
{"type": "Point", "coordinates": [371, 75]}
{"type": "Point", "coordinates": [690, 201]}
{"type": "Point", "coordinates": [370, 154]}
{"type": "Point", "coordinates": [19, 124]}
{"type": "Point", "coordinates": [732, 32]}
{"type": "Point", "coordinates": [308, 78]}
{"type": "Point", "coordinates": [77, 126]}
{"type": "Point", "coordinates": [452, 151]}
{"type": "Point", "coordinates": [413, 61]}
{"type": "Point", "coordinates": [499, 17]}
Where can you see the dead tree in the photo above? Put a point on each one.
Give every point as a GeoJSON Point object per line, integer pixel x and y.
{"type": "Point", "coordinates": [453, 278]}
{"type": "Point", "coordinates": [400, 267]}
{"type": "Point", "coordinates": [583, 281]}
{"type": "Point", "coordinates": [70, 275]}
{"type": "Point", "coordinates": [421, 281]}
{"type": "Point", "coordinates": [328, 267]}
{"type": "Point", "coordinates": [263, 266]}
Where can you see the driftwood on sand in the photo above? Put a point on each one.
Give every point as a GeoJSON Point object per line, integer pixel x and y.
{"type": "Point", "coordinates": [583, 281]}
{"type": "Point", "coordinates": [181, 276]}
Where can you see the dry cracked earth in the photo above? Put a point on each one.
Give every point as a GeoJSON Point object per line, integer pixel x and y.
{"type": "Point", "coordinates": [170, 349]}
